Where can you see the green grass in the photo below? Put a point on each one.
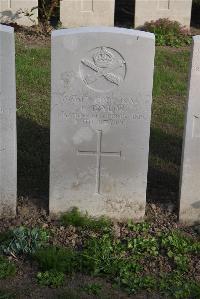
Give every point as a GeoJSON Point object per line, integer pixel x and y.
{"type": "Point", "coordinates": [33, 102]}
{"type": "Point", "coordinates": [171, 71]}
{"type": "Point", "coordinates": [168, 112]}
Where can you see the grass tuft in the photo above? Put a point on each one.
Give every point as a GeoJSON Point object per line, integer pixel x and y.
{"type": "Point", "coordinates": [77, 219]}
{"type": "Point", "coordinates": [54, 258]}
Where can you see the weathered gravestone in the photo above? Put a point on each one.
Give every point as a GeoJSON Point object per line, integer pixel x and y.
{"type": "Point", "coordinates": [174, 10]}
{"type": "Point", "coordinates": [8, 175]}
{"type": "Point", "coordinates": [100, 120]}
{"type": "Point", "coordinates": [87, 13]}
{"type": "Point", "coordinates": [190, 182]}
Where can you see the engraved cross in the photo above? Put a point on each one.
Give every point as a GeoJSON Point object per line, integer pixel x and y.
{"type": "Point", "coordinates": [98, 153]}
{"type": "Point", "coordinates": [9, 4]}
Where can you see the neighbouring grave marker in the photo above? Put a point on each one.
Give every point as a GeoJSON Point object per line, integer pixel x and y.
{"type": "Point", "coordinates": [87, 13]}
{"type": "Point", "coordinates": [174, 10]}
{"type": "Point", "coordinates": [8, 167]}
{"type": "Point", "coordinates": [190, 182]}
{"type": "Point", "coordinates": [100, 120]}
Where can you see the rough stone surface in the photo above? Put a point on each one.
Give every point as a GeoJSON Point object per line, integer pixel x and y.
{"type": "Point", "coordinates": [190, 182]}
{"type": "Point", "coordinates": [8, 173]}
{"type": "Point", "coordinates": [178, 10]}
{"type": "Point", "coordinates": [16, 11]}
{"type": "Point", "coordinates": [100, 120]}
{"type": "Point", "coordinates": [87, 13]}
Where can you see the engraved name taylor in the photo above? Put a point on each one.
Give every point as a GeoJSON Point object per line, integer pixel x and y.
{"type": "Point", "coordinates": [114, 111]}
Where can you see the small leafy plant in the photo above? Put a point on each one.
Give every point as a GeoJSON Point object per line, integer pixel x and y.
{"type": "Point", "coordinates": [7, 268]}
{"type": "Point", "coordinates": [55, 258]}
{"type": "Point", "coordinates": [176, 286]}
{"type": "Point", "coordinates": [140, 246]}
{"type": "Point", "coordinates": [100, 256]}
{"type": "Point", "coordinates": [138, 227]}
{"type": "Point", "coordinates": [6, 295]}
{"type": "Point", "coordinates": [93, 288]}
{"type": "Point", "coordinates": [77, 219]}
{"type": "Point", "coordinates": [178, 248]}
{"type": "Point", "coordinates": [168, 33]}
{"type": "Point", "coordinates": [51, 278]}
{"type": "Point", "coordinates": [24, 241]}
{"type": "Point", "coordinates": [177, 243]}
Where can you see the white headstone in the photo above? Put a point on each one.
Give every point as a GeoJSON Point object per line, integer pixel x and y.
{"type": "Point", "coordinates": [87, 13]}
{"type": "Point", "coordinates": [23, 12]}
{"type": "Point", "coordinates": [174, 10]}
{"type": "Point", "coordinates": [190, 182]}
{"type": "Point", "coordinates": [100, 120]}
{"type": "Point", "coordinates": [8, 173]}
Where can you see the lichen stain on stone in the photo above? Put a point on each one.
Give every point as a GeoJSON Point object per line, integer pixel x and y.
{"type": "Point", "coordinates": [196, 205]}
{"type": "Point", "coordinates": [76, 186]}
{"type": "Point", "coordinates": [83, 134]}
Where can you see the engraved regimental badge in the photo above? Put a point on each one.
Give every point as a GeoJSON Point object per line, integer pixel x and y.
{"type": "Point", "coordinates": [103, 69]}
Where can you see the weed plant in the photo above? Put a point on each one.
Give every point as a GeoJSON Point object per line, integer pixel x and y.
{"type": "Point", "coordinates": [7, 268]}
{"type": "Point", "coordinates": [121, 260]}
{"type": "Point", "coordinates": [93, 289]}
{"type": "Point", "coordinates": [55, 258]}
{"type": "Point", "coordinates": [23, 240]}
{"type": "Point", "coordinates": [51, 278]}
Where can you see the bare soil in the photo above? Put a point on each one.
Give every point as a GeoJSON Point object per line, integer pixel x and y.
{"type": "Point", "coordinates": [32, 212]}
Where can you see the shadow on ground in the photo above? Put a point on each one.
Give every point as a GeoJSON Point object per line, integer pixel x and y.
{"type": "Point", "coordinates": [33, 164]}
{"type": "Point", "coordinates": [164, 168]}
{"type": "Point", "coordinates": [33, 159]}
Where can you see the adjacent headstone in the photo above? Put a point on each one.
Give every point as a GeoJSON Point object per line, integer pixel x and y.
{"type": "Point", "coordinates": [190, 182]}
{"type": "Point", "coordinates": [8, 173]}
{"type": "Point", "coordinates": [22, 12]}
{"type": "Point", "coordinates": [100, 120]}
{"type": "Point", "coordinates": [175, 10]}
{"type": "Point", "coordinates": [87, 13]}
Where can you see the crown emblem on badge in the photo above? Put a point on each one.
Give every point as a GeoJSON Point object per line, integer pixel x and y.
{"type": "Point", "coordinates": [103, 58]}
{"type": "Point", "coordinates": [101, 67]}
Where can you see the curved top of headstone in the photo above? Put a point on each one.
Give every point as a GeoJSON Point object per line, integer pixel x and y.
{"type": "Point", "coordinates": [5, 28]}
{"type": "Point", "coordinates": [103, 29]}
{"type": "Point", "coordinates": [196, 38]}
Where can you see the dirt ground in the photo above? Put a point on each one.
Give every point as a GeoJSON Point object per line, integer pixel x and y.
{"type": "Point", "coordinates": [24, 285]}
